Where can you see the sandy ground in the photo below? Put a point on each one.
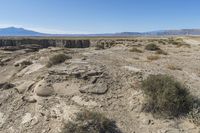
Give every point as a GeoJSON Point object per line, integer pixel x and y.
{"type": "Point", "coordinates": [107, 81]}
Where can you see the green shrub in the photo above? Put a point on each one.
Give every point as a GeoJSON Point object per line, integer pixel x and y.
{"type": "Point", "coordinates": [90, 122]}
{"type": "Point", "coordinates": [165, 96]}
{"type": "Point", "coordinates": [57, 59]}
{"type": "Point", "coordinates": [175, 41]}
{"type": "Point", "coordinates": [152, 47]}
{"type": "Point", "coordinates": [162, 41]}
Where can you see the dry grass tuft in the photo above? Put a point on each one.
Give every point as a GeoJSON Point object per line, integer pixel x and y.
{"type": "Point", "coordinates": [90, 122]}
{"type": "Point", "coordinates": [152, 47]}
{"type": "Point", "coordinates": [57, 59]}
{"type": "Point", "coordinates": [165, 96]}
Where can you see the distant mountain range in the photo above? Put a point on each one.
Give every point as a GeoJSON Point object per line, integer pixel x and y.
{"type": "Point", "coordinates": [13, 31]}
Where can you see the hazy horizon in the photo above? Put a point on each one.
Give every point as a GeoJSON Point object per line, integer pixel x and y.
{"type": "Point", "coordinates": [105, 16]}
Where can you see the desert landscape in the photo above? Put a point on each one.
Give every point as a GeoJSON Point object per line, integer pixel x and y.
{"type": "Point", "coordinates": [84, 84]}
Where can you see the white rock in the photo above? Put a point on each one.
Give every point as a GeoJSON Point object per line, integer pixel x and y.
{"type": "Point", "coordinates": [43, 89]}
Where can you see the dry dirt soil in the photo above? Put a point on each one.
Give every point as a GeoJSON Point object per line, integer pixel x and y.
{"type": "Point", "coordinates": [39, 99]}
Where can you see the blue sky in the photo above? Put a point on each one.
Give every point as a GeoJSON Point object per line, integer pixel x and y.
{"type": "Point", "coordinates": [100, 16]}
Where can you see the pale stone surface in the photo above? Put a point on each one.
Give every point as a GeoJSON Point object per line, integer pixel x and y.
{"type": "Point", "coordinates": [43, 89]}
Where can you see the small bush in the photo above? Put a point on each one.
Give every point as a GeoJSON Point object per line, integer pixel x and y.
{"type": "Point", "coordinates": [161, 52]}
{"type": "Point", "coordinates": [153, 57]}
{"type": "Point", "coordinates": [136, 50]}
{"type": "Point", "coordinates": [90, 122]}
{"type": "Point", "coordinates": [165, 96]}
{"type": "Point", "coordinates": [57, 59]}
{"type": "Point", "coordinates": [152, 47]}
{"type": "Point", "coordinates": [178, 42]}
{"type": "Point", "coordinates": [174, 41]}
{"type": "Point", "coordinates": [162, 41]}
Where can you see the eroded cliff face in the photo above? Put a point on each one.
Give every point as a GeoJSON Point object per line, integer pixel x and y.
{"type": "Point", "coordinates": [46, 42]}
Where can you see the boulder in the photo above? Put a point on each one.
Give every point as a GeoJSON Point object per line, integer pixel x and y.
{"type": "Point", "coordinates": [43, 89]}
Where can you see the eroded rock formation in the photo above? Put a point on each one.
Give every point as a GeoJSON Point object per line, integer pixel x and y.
{"type": "Point", "coordinates": [45, 42]}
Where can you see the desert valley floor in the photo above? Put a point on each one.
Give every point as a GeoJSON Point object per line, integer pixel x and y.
{"type": "Point", "coordinates": [35, 98]}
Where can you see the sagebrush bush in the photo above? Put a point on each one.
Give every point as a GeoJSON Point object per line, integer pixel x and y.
{"type": "Point", "coordinates": [165, 96]}
{"type": "Point", "coordinates": [152, 47]}
{"type": "Point", "coordinates": [57, 59]}
{"type": "Point", "coordinates": [162, 41]}
{"type": "Point", "coordinates": [90, 122]}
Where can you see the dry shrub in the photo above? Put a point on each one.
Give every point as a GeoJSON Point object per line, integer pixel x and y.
{"type": "Point", "coordinates": [165, 96]}
{"type": "Point", "coordinates": [178, 42]}
{"type": "Point", "coordinates": [90, 122]}
{"type": "Point", "coordinates": [152, 47]}
{"type": "Point", "coordinates": [57, 59]}
{"type": "Point", "coordinates": [162, 41]}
